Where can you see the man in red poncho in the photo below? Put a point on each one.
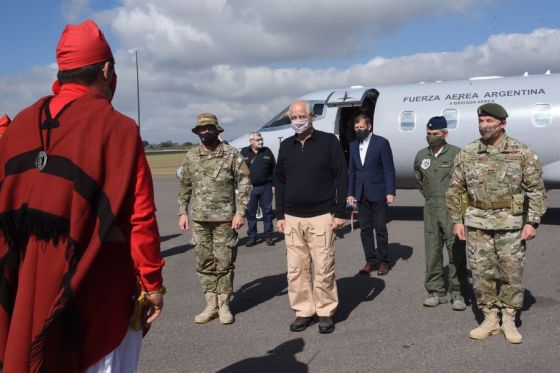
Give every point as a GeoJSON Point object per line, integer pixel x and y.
{"type": "Point", "coordinates": [78, 232]}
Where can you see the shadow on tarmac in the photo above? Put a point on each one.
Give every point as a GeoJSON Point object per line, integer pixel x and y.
{"type": "Point", "coordinates": [258, 291]}
{"type": "Point", "coordinates": [406, 213]}
{"type": "Point", "coordinates": [176, 250]}
{"type": "Point", "coordinates": [354, 290]}
{"type": "Point", "coordinates": [280, 359]}
{"type": "Point", "coordinates": [398, 252]}
{"type": "Point", "coordinates": [169, 237]}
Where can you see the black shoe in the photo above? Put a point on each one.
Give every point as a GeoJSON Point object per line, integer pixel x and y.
{"type": "Point", "coordinates": [270, 240]}
{"type": "Point", "coordinates": [326, 325]}
{"type": "Point", "coordinates": [251, 241]}
{"type": "Point", "coordinates": [300, 324]}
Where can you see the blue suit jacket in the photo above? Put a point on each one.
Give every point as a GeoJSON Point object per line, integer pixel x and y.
{"type": "Point", "coordinates": [376, 178]}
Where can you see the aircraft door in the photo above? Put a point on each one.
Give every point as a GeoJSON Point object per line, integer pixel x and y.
{"type": "Point", "coordinates": [351, 103]}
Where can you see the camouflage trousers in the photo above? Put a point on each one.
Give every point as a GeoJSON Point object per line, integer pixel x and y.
{"type": "Point", "coordinates": [215, 252]}
{"type": "Point", "coordinates": [496, 254]}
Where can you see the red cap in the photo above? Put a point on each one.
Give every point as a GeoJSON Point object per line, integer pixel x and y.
{"type": "Point", "coordinates": [82, 45]}
{"type": "Point", "coordinates": [4, 122]}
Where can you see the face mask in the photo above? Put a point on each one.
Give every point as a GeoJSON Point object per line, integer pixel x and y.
{"type": "Point", "coordinates": [361, 134]}
{"type": "Point", "coordinates": [435, 141]}
{"type": "Point", "coordinates": [259, 144]}
{"type": "Point", "coordinates": [209, 138]}
{"type": "Point", "coordinates": [488, 133]}
{"type": "Point", "coordinates": [300, 125]}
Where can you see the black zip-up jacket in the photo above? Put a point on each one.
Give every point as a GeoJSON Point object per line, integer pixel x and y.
{"type": "Point", "coordinates": [261, 165]}
{"type": "Point", "coordinates": [311, 179]}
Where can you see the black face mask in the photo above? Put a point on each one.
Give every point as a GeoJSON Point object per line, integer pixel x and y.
{"type": "Point", "coordinates": [209, 138]}
{"type": "Point", "coordinates": [361, 134]}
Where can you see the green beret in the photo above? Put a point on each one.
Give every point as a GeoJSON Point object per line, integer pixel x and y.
{"type": "Point", "coordinates": [207, 119]}
{"type": "Point", "coordinates": [493, 110]}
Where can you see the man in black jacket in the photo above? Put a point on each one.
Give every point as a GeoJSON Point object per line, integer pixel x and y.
{"type": "Point", "coordinates": [261, 163]}
{"type": "Point", "coordinates": [311, 180]}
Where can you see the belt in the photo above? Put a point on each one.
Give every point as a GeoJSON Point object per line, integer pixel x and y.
{"type": "Point", "coordinates": [494, 205]}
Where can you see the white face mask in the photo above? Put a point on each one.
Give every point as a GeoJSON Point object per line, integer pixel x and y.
{"type": "Point", "coordinates": [259, 144]}
{"type": "Point", "coordinates": [300, 125]}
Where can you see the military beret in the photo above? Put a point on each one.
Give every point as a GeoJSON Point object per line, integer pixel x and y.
{"type": "Point", "coordinates": [493, 110]}
{"type": "Point", "coordinates": [437, 123]}
{"type": "Point", "coordinates": [207, 119]}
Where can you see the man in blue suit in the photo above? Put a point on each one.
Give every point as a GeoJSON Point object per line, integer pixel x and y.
{"type": "Point", "coordinates": [371, 185]}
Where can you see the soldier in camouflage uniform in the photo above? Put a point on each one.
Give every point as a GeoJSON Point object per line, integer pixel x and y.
{"type": "Point", "coordinates": [432, 166]}
{"type": "Point", "coordinates": [500, 183]}
{"type": "Point", "coordinates": [210, 175]}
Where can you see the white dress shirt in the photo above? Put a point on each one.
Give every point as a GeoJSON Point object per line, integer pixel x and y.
{"type": "Point", "coordinates": [363, 146]}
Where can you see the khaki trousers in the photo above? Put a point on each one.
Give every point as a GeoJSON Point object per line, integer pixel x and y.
{"type": "Point", "coordinates": [311, 241]}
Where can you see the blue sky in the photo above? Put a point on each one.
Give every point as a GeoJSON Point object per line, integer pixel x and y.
{"type": "Point", "coordinates": [193, 52]}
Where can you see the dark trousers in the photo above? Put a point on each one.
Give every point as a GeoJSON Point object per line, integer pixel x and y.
{"type": "Point", "coordinates": [373, 216]}
{"type": "Point", "coordinates": [260, 195]}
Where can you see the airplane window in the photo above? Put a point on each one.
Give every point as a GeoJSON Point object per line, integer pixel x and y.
{"type": "Point", "coordinates": [541, 115]}
{"type": "Point", "coordinates": [282, 119]}
{"type": "Point", "coordinates": [452, 117]}
{"type": "Point", "coordinates": [407, 120]}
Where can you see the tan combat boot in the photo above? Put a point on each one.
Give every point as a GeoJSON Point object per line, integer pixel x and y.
{"type": "Point", "coordinates": [508, 326]}
{"type": "Point", "coordinates": [211, 310]}
{"type": "Point", "coordinates": [223, 309]}
{"type": "Point", "coordinates": [490, 325]}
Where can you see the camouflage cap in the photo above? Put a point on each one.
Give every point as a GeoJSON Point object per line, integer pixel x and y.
{"type": "Point", "coordinates": [493, 110]}
{"type": "Point", "coordinates": [206, 119]}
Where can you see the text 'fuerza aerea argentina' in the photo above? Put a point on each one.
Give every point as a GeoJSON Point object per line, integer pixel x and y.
{"type": "Point", "coordinates": [459, 97]}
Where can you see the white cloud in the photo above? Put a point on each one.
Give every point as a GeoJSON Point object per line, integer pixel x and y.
{"type": "Point", "coordinates": [242, 59]}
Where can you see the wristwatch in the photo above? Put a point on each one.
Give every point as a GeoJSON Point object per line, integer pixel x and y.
{"type": "Point", "coordinates": [533, 224]}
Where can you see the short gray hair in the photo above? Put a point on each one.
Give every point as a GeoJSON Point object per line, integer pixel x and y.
{"type": "Point", "coordinates": [253, 134]}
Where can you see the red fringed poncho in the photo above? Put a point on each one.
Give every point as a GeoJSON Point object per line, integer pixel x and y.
{"type": "Point", "coordinates": [74, 236]}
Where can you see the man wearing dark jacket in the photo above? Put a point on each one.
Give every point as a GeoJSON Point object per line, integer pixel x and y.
{"type": "Point", "coordinates": [371, 185]}
{"type": "Point", "coordinates": [310, 180]}
{"type": "Point", "coordinates": [261, 163]}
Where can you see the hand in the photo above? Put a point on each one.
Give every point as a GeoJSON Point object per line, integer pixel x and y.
{"type": "Point", "coordinates": [390, 199]}
{"type": "Point", "coordinates": [459, 231]}
{"type": "Point", "coordinates": [337, 223]}
{"type": "Point", "coordinates": [351, 201]}
{"type": "Point", "coordinates": [156, 304]}
{"type": "Point", "coordinates": [237, 222]}
{"type": "Point", "coordinates": [528, 232]}
{"type": "Point", "coordinates": [280, 224]}
{"type": "Point", "coordinates": [184, 222]}
{"type": "Point", "coordinates": [273, 190]}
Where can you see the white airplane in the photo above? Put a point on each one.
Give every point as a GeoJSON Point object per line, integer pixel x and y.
{"type": "Point", "coordinates": [400, 114]}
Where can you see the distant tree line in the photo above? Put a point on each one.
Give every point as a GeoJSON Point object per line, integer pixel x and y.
{"type": "Point", "coordinates": [166, 145]}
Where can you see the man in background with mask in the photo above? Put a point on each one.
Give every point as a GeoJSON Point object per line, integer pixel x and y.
{"type": "Point", "coordinates": [500, 179]}
{"type": "Point", "coordinates": [372, 186]}
{"type": "Point", "coordinates": [210, 175]}
{"type": "Point", "coordinates": [261, 163]}
{"type": "Point", "coordinates": [310, 180]}
{"type": "Point", "coordinates": [433, 166]}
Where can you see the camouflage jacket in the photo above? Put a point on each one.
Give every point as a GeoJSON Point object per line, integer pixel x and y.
{"type": "Point", "coordinates": [433, 173]}
{"type": "Point", "coordinates": [209, 179]}
{"type": "Point", "coordinates": [496, 173]}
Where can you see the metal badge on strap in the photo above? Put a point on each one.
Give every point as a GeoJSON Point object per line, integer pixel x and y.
{"type": "Point", "coordinates": [41, 160]}
{"type": "Point", "coordinates": [48, 124]}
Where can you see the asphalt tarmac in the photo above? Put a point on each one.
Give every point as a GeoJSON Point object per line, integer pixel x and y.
{"type": "Point", "coordinates": [381, 324]}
